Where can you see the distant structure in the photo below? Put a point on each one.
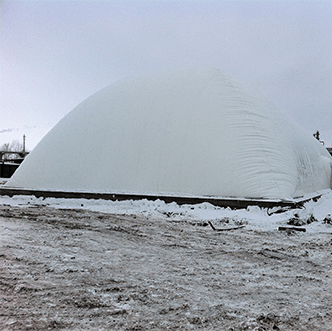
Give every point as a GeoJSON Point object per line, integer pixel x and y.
{"type": "Point", "coordinates": [8, 164]}
{"type": "Point", "coordinates": [329, 149]}
{"type": "Point", "coordinates": [317, 136]}
{"type": "Point", "coordinates": [186, 132]}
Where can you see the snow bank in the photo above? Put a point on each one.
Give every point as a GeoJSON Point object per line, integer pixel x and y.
{"type": "Point", "coordinates": [253, 217]}
{"type": "Point", "coordinates": [187, 132]}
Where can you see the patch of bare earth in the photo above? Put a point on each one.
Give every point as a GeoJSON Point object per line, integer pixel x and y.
{"type": "Point", "coordinates": [83, 270]}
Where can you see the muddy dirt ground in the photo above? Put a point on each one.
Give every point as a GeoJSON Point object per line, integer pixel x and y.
{"type": "Point", "coordinates": [83, 270]}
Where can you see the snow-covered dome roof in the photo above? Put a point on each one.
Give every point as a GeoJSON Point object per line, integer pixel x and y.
{"type": "Point", "coordinates": [184, 132]}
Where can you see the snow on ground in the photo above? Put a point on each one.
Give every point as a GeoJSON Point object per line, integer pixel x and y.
{"type": "Point", "coordinates": [75, 264]}
{"type": "Point", "coordinates": [253, 217]}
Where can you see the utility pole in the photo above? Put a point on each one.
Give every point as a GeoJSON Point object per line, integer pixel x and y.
{"type": "Point", "coordinates": [24, 143]}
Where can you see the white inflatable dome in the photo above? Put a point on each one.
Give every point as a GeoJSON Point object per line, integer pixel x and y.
{"type": "Point", "coordinates": [190, 132]}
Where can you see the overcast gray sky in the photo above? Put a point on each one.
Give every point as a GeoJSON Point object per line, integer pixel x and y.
{"type": "Point", "coordinates": [54, 54]}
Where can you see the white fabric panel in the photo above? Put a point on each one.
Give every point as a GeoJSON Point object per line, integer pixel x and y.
{"type": "Point", "coordinates": [186, 132]}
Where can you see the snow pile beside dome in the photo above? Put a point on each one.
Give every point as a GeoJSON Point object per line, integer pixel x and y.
{"type": "Point", "coordinates": [187, 132]}
{"type": "Point", "coordinates": [253, 217]}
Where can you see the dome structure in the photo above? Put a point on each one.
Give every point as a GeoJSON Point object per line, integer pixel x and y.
{"type": "Point", "coordinates": [187, 132]}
